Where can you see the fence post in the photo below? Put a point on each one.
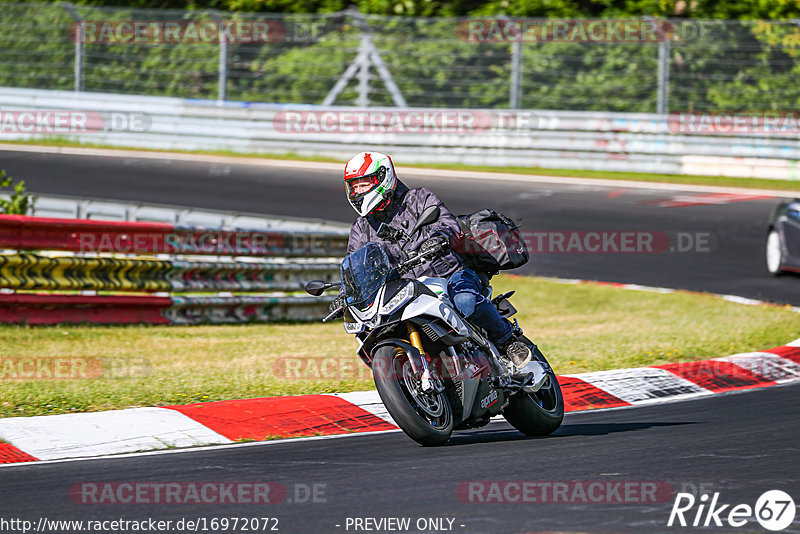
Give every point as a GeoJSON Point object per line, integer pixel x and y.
{"type": "Point", "coordinates": [222, 64]}
{"type": "Point", "coordinates": [515, 96]}
{"type": "Point", "coordinates": [363, 71]}
{"type": "Point", "coordinates": [662, 98]}
{"type": "Point", "coordinates": [222, 87]}
{"type": "Point", "coordinates": [663, 77]}
{"type": "Point", "coordinates": [79, 52]}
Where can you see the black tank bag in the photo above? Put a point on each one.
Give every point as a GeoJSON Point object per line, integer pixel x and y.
{"type": "Point", "coordinates": [492, 242]}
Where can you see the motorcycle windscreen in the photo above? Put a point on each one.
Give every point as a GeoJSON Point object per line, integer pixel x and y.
{"type": "Point", "coordinates": [364, 272]}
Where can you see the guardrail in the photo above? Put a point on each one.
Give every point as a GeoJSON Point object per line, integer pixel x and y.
{"type": "Point", "coordinates": [535, 138]}
{"type": "Point", "coordinates": [32, 272]}
{"type": "Point", "coordinates": [92, 236]}
{"type": "Point", "coordinates": [46, 309]}
{"type": "Point", "coordinates": [76, 258]}
{"type": "Point", "coordinates": [106, 210]}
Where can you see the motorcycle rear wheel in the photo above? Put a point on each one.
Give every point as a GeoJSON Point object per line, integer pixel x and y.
{"type": "Point", "coordinates": [540, 413]}
{"type": "Point", "coordinates": [427, 419]}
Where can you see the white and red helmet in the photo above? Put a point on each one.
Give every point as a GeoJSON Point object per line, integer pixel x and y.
{"type": "Point", "coordinates": [379, 170]}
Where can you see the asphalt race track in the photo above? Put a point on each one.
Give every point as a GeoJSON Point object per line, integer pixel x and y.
{"type": "Point", "coordinates": [739, 445]}
{"type": "Point", "coordinates": [724, 241]}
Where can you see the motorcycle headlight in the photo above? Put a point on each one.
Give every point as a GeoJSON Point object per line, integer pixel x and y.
{"type": "Point", "coordinates": [353, 328]}
{"type": "Point", "coordinates": [400, 298]}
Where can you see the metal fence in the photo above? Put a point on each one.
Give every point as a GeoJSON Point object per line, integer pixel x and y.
{"type": "Point", "coordinates": [348, 58]}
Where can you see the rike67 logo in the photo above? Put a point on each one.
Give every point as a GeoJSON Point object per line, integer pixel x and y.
{"type": "Point", "coordinates": [774, 510]}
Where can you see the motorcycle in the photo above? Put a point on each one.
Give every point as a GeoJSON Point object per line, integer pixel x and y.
{"type": "Point", "coordinates": [435, 371]}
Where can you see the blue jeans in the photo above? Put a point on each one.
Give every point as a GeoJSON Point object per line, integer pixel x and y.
{"type": "Point", "coordinates": [465, 289]}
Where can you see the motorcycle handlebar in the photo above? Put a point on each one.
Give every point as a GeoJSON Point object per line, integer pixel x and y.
{"type": "Point", "coordinates": [333, 314]}
{"type": "Point", "coordinates": [410, 263]}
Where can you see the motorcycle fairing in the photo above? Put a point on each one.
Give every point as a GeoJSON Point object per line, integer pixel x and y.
{"type": "Point", "coordinates": [427, 305]}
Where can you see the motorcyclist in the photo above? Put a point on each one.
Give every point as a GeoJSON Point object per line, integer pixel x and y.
{"type": "Point", "coordinates": [376, 194]}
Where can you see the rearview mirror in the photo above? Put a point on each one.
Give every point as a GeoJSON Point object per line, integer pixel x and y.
{"type": "Point", "coordinates": [316, 287]}
{"type": "Point", "coordinates": [428, 216]}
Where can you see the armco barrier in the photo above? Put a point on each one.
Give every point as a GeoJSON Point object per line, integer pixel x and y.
{"type": "Point", "coordinates": [77, 259]}
{"type": "Point", "coordinates": [47, 309]}
{"type": "Point", "coordinates": [529, 138]}
{"type": "Point", "coordinates": [21, 232]}
{"type": "Point", "coordinates": [221, 310]}
{"type": "Point", "coordinates": [32, 272]}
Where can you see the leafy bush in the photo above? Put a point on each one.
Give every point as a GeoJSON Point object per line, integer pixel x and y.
{"type": "Point", "coordinates": [19, 203]}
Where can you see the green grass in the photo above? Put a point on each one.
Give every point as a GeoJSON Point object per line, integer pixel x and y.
{"type": "Point", "coordinates": [579, 327]}
{"type": "Point", "coordinates": [724, 181]}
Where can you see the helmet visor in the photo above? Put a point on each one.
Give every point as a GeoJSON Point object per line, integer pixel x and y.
{"type": "Point", "coordinates": [361, 185]}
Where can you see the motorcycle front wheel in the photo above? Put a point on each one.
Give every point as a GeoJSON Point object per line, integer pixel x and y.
{"type": "Point", "coordinates": [425, 418]}
{"type": "Point", "coordinates": [539, 413]}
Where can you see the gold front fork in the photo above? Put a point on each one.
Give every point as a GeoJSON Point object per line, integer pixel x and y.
{"type": "Point", "coordinates": [416, 340]}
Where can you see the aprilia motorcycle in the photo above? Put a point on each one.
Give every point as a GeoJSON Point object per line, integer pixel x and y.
{"type": "Point", "coordinates": [434, 371]}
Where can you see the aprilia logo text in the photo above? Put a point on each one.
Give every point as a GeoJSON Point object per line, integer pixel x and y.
{"type": "Point", "coordinates": [489, 399]}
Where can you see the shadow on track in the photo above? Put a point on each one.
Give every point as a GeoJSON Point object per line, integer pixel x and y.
{"type": "Point", "coordinates": [602, 429]}
{"type": "Point", "coordinates": [584, 429]}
